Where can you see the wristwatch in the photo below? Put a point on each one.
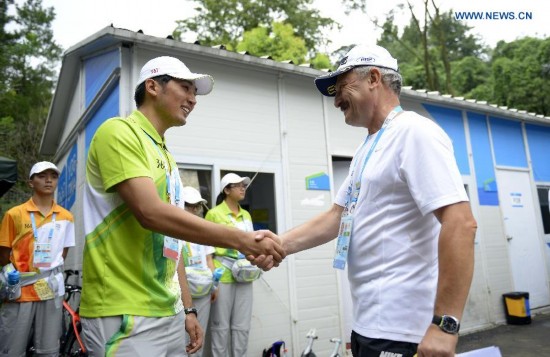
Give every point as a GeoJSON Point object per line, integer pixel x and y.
{"type": "Point", "coordinates": [447, 323]}
{"type": "Point", "coordinates": [191, 310]}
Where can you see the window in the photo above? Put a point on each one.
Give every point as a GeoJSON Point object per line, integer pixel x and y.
{"type": "Point", "coordinates": [201, 179]}
{"type": "Point", "coordinates": [544, 192]}
{"type": "Point", "coordinates": [260, 199]}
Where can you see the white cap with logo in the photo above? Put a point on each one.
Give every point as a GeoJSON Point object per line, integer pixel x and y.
{"type": "Point", "coordinates": [360, 55]}
{"type": "Point", "coordinates": [41, 167]}
{"type": "Point", "coordinates": [192, 195]}
{"type": "Point", "coordinates": [233, 178]}
{"type": "Point", "coordinates": [173, 67]}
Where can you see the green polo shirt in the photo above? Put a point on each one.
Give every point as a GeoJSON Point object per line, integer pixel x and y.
{"type": "Point", "coordinates": [222, 214]}
{"type": "Point", "coordinates": [124, 270]}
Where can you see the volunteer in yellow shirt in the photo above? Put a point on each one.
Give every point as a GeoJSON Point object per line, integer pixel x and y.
{"type": "Point", "coordinates": [231, 313]}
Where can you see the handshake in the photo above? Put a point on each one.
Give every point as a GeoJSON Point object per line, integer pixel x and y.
{"type": "Point", "coordinates": [264, 249]}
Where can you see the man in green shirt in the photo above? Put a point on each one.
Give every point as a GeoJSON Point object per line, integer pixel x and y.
{"type": "Point", "coordinates": [131, 302]}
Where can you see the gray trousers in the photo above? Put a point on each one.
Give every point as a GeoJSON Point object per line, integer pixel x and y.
{"type": "Point", "coordinates": [203, 310]}
{"type": "Point", "coordinates": [135, 336]}
{"type": "Point", "coordinates": [230, 316]}
{"type": "Point", "coordinates": [16, 320]}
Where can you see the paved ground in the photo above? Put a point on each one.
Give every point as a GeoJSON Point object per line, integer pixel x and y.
{"type": "Point", "coordinates": [513, 340]}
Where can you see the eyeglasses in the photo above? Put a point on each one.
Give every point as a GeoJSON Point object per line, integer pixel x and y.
{"type": "Point", "coordinates": [197, 209]}
{"type": "Point", "coordinates": [238, 185]}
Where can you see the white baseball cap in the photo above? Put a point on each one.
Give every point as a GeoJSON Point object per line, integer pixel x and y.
{"type": "Point", "coordinates": [192, 195]}
{"type": "Point", "coordinates": [173, 67]}
{"type": "Point", "coordinates": [41, 167]}
{"type": "Point", "coordinates": [233, 178]}
{"type": "Point", "coordinates": [360, 55]}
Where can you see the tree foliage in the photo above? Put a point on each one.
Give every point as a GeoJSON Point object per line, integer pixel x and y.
{"type": "Point", "coordinates": [280, 43]}
{"type": "Point", "coordinates": [438, 53]}
{"type": "Point", "coordinates": [429, 45]}
{"type": "Point", "coordinates": [225, 21]}
{"type": "Point", "coordinates": [521, 74]}
{"type": "Point", "coordinates": [28, 59]}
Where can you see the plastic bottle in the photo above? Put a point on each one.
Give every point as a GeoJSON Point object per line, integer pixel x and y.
{"type": "Point", "coordinates": [14, 285]}
{"type": "Point", "coordinates": [216, 276]}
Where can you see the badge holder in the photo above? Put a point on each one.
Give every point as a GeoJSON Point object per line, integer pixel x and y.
{"type": "Point", "coordinates": [342, 246]}
{"type": "Point", "coordinates": [171, 248]}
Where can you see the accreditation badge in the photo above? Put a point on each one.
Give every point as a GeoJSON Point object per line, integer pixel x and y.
{"type": "Point", "coordinates": [194, 260]}
{"type": "Point", "coordinates": [42, 255]}
{"type": "Point", "coordinates": [171, 248]}
{"type": "Point", "coordinates": [342, 245]}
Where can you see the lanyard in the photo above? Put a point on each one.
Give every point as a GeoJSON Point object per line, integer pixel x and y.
{"type": "Point", "coordinates": [35, 231]}
{"type": "Point", "coordinates": [167, 170]}
{"type": "Point", "coordinates": [353, 199]}
{"type": "Point", "coordinates": [187, 253]}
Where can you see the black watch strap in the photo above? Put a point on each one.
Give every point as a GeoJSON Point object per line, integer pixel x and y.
{"type": "Point", "coordinates": [191, 310]}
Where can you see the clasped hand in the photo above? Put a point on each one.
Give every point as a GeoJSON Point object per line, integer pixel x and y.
{"type": "Point", "coordinates": [264, 249]}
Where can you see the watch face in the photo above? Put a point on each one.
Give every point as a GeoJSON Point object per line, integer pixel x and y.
{"type": "Point", "coordinates": [449, 324]}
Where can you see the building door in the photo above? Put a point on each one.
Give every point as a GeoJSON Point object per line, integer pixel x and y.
{"type": "Point", "coordinates": [544, 199]}
{"type": "Point", "coordinates": [524, 242]}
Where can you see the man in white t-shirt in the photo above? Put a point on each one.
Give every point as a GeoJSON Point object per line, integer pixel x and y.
{"type": "Point", "coordinates": [402, 217]}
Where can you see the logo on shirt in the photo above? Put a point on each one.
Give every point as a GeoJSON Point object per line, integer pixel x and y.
{"type": "Point", "coordinates": [390, 354]}
{"type": "Point", "coordinates": [160, 164]}
{"type": "Point", "coordinates": [28, 225]}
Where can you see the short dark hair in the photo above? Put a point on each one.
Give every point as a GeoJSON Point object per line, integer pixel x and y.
{"type": "Point", "coordinates": [139, 95]}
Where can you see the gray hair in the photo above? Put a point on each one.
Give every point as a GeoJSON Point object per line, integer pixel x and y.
{"type": "Point", "coordinates": [390, 77]}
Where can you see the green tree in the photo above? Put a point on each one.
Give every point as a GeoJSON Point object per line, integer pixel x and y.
{"type": "Point", "coordinates": [28, 59]}
{"type": "Point", "coordinates": [471, 78]}
{"type": "Point", "coordinates": [521, 74]}
{"type": "Point", "coordinates": [225, 21]}
{"type": "Point", "coordinates": [321, 61]}
{"type": "Point", "coordinates": [280, 43]}
{"type": "Point", "coordinates": [429, 45]}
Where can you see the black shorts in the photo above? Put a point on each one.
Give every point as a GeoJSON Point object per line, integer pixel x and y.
{"type": "Point", "coordinates": [371, 347]}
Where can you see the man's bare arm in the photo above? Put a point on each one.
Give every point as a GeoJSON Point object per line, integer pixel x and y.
{"type": "Point", "coordinates": [192, 326]}
{"type": "Point", "coordinates": [152, 213]}
{"type": "Point", "coordinates": [319, 230]}
{"type": "Point", "coordinates": [456, 266]}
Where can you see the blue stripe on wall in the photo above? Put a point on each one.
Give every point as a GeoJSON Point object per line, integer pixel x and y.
{"type": "Point", "coordinates": [508, 142]}
{"type": "Point", "coordinates": [487, 189]}
{"type": "Point", "coordinates": [96, 71]}
{"type": "Point", "coordinates": [108, 109]}
{"type": "Point", "coordinates": [70, 193]}
{"type": "Point", "coordinates": [538, 138]}
{"type": "Point", "coordinates": [451, 122]}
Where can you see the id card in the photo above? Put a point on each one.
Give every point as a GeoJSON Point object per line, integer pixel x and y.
{"type": "Point", "coordinates": [194, 260]}
{"type": "Point", "coordinates": [43, 290]}
{"type": "Point", "coordinates": [42, 255]}
{"type": "Point", "coordinates": [171, 248]}
{"type": "Point", "coordinates": [342, 246]}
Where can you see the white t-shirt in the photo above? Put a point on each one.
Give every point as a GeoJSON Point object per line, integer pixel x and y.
{"type": "Point", "coordinates": [393, 251]}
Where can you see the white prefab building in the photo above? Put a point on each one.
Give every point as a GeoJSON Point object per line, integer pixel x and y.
{"type": "Point", "coordinates": [267, 118]}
